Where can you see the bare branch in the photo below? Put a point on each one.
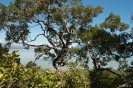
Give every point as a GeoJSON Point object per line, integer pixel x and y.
{"type": "Point", "coordinates": [68, 39]}
{"type": "Point", "coordinates": [35, 37]}
{"type": "Point", "coordinates": [51, 29]}
{"type": "Point", "coordinates": [93, 58]}
{"type": "Point", "coordinates": [38, 21]}
{"type": "Point", "coordinates": [69, 33]}
{"type": "Point", "coordinates": [128, 84]}
{"type": "Point", "coordinates": [90, 52]}
{"type": "Point", "coordinates": [50, 41]}
{"type": "Point", "coordinates": [39, 56]}
{"type": "Point", "coordinates": [46, 45]}
{"type": "Point", "coordinates": [65, 23]}
{"type": "Point", "coordinates": [108, 69]}
{"type": "Point", "coordinates": [41, 26]}
{"type": "Point", "coordinates": [61, 40]}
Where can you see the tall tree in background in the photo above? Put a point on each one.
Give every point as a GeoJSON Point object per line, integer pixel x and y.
{"type": "Point", "coordinates": [104, 44]}
{"type": "Point", "coordinates": [128, 46]}
{"type": "Point", "coordinates": [59, 21]}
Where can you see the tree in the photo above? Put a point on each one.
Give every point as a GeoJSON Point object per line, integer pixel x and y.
{"type": "Point", "coordinates": [104, 45]}
{"type": "Point", "coordinates": [59, 21]}
{"type": "Point", "coordinates": [3, 50]}
{"type": "Point", "coordinates": [30, 64]}
{"type": "Point", "coordinates": [129, 68]}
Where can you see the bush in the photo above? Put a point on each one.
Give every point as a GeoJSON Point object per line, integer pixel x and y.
{"type": "Point", "coordinates": [15, 75]}
{"type": "Point", "coordinates": [104, 79]}
{"type": "Point", "coordinates": [74, 77]}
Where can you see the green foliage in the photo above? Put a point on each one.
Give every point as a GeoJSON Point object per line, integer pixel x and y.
{"type": "Point", "coordinates": [31, 64]}
{"type": "Point", "coordinates": [104, 79]}
{"type": "Point", "coordinates": [113, 22]}
{"type": "Point", "coordinates": [95, 35]}
{"type": "Point", "coordinates": [3, 50]}
{"type": "Point", "coordinates": [21, 13]}
{"type": "Point", "coordinates": [62, 23]}
{"type": "Point", "coordinates": [14, 75]}
{"type": "Point", "coordinates": [105, 45]}
{"type": "Point", "coordinates": [41, 50]}
{"type": "Point", "coordinates": [52, 17]}
{"type": "Point", "coordinates": [75, 77]}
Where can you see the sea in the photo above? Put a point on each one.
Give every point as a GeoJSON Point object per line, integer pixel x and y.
{"type": "Point", "coordinates": [29, 55]}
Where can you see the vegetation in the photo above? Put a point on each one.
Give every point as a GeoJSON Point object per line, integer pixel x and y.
{"type": "Point", "coordinates": [62, 23]}
{"type": "Point", "coordinates": [59, 23]}
{"type": "Point", "coordinates": [14, 75]}
{"type": "Point", "coordinates": [3, 50]}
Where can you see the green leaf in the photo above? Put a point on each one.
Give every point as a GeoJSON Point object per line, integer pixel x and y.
{"type": "Point", "coordinates": [1, 75]}
{"type": "Point", "coordinates": [14, 65]}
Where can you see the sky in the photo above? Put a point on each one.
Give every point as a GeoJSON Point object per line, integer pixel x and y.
{"type": "Point", "coordinates": [123, 8]}
{"type": "Point", "coordinates": [118, 7]}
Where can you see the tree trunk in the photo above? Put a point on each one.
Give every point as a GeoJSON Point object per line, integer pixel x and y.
{"type": "Point", "coordinates": [58, 70]}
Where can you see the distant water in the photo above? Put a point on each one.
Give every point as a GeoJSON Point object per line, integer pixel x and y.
{"type": "Point", "coordinates": [29, 55]}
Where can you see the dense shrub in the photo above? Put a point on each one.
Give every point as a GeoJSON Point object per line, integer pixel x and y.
{"type": "Point", "coordinates": [15, 75]}
{"type": "Point", "coordinates": [104, 79]}
{"type": "Point", "coordinates": [75, 77]}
